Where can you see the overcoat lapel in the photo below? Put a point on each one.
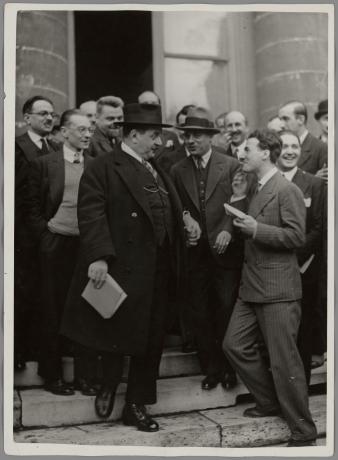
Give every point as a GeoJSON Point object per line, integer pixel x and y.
{"type": "Point", "coordinates": [127, 174]}
{"type": "Point", "coordinates": [216, 169]}
{"type": "Point", "coordinates": [30, 150]}
{"type": "Point", "coordinates": [264, 196]}
{"type": "Point", "coordinates": [306, 152]}
{"type": "Point", "coordinates": [189, 181]}
{"type": "Point", "coordinates": [56, 175]}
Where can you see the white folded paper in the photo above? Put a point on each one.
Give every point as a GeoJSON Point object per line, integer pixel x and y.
{"type": "Point", "coordinates": [105, 300]}
{"type": "Point", "coordinates": [233, 212]}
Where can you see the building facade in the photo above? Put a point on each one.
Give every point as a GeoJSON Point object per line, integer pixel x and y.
{"type": "Point", "coordinates": [248, 61]}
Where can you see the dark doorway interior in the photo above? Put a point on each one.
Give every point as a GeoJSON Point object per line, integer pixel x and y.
{"type": "Point", "coordinates": [113, 54]}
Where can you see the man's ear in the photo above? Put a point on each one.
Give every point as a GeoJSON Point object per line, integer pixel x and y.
{"type": "Point", "coordinates": [26, 117]}
{"type": "Point", "coordinates": [64, 131]}
{"type": "Point", "coordinates": [301, 118]}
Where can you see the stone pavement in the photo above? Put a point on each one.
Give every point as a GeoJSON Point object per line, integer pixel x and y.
{"type": "Point", "coordinates": [223, 427]}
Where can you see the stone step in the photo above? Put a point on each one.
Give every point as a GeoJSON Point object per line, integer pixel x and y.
{"type": "Point", "coordinates": [174, 363]}
{"type": "Point", "coordinates": [38, 408]}
{"type": "Point", "coordinates": [218, 428]}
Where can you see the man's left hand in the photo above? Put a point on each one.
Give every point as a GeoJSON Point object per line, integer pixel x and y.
{"type": "Point", "coordinates": [247, 224]}
{"type": "Point", "coordinates": [222, 241]}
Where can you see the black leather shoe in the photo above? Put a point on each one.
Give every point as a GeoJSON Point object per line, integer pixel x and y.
{"type": "Point", "coordinates": [294, 443]}
{"type": "Point", "coordinates": [255, 412]}
{"type": "Point", "coordinates": [85, 388]}
{"type": "Point", "coordinates": [58, 387]}
{"type": "Point", "coordinates": [136, 415]}
{"type": "Point", "coordinates": [210, 382]}
{"type": "Point", "coordinates": [229, 381]}
{"type": "Point", "coordinates": [104, 401]}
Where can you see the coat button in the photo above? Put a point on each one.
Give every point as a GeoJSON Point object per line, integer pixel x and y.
{"type": "Point", "coordinates": [134, 214]}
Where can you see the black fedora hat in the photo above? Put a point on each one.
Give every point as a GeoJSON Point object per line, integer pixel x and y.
{"type": "Point", "coordinates": [193, 123]}
{"type": "Point", "coordinates": [142, 115]}
{"type": "Point", "coordinates": [322, 109]}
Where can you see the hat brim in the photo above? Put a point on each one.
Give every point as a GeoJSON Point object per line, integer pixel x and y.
{"type": "Point", "coordinates": [320, 114]}
{"type": "Point", "coordinates": [141, 123]}
{"type": "Point", "coordinates": [198, 128]}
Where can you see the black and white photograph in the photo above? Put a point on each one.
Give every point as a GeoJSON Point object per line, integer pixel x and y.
{"type": "Point", "coordinates": [168, 229]}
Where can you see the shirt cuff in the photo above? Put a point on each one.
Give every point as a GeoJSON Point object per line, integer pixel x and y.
{"type": "Point", "coordinates": [255, 232]}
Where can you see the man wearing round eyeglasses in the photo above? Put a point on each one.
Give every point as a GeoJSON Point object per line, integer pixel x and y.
{"type": "Point", "coordinates": [38, 113]}
{"type": "Point", "coordinates": [52, 207]}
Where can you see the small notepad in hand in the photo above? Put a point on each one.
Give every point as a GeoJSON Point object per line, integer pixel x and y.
{"type": "Point", "coordinates": [233, 212]}
{"type": "Point", "coordinates": [105, 300]}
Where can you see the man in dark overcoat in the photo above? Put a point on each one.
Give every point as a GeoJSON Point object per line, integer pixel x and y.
{"type": "Point", "coordinates": [129, 218]}
{"type": "Point", "coordinates": [38, 113]}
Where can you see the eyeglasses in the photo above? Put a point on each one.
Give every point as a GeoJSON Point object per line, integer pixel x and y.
{"type": "Point", "coordinates": [44, 114]}
{"type": "Point", "coordinates": [82, 130]}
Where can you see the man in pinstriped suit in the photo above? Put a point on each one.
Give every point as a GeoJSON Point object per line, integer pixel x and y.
{"type": "Point", "coordinates": [270, 293]}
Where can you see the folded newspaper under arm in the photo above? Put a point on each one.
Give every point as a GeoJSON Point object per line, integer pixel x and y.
{"type": "Point", "coordinates": [105, 300]}
{"type": "Point", "coordinates": [233, 212]}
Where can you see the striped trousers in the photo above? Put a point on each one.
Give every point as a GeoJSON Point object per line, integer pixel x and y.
{"type": "Point", "coordinates": [284, 385]}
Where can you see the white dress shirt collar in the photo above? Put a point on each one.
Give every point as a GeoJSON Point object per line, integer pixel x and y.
{"type": "Point", "coordinates": [266, 177]}
{"type": "Point", "coordinates": [71, 156]}
{"type": "Point", "coordinates": [130, 152]}
{"type": "Point", "coordinates": [36, 138]}
{"type": "Point", "coordinates": [289, 175]}
{"type": "Point", "coordinates": [238, 149]}
{"type": "Point", "coordinates": [204, 159]}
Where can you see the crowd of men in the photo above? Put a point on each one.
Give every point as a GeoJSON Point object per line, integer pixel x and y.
{"type": "Point", "coordinates": [109, 188]}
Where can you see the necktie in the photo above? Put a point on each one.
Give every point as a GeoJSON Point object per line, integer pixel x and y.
{"type": "Point", "coordinates": [44, 146]}
{"type": "Point", "coordinates": [199, 163]}
{"type": "Point", "coordinates": [152, 171]}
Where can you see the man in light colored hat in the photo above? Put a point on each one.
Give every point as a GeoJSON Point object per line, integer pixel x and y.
{"type": "Point", "coordinates": [131, 227]}
{"type": "Point", "coordinates": [203, 180]}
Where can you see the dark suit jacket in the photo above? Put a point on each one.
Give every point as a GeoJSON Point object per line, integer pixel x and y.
{"type": "Point", "coordinates": [313, 192]}
{"type": "Point", "coordinates": [313, 154]}
{"type": "Point", "coordinates": [218, 191]}
{"type": "Point", "coordinates": [99, 144]}
{"type": "Point", "coordinates": [25, 152]}
{"type": "Point", "coordinates": [46, 186]}
{"type": "Point", "coordinates": [270, 271]}
{"type": "Point", "coordinates": [116, 224]}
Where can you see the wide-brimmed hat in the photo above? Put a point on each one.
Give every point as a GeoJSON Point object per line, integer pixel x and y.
{"type": "Point", "coordinates": [322, 109]}
{"type": "Point", "coordinates": [198, 124]}
{"type": "Point", "coordinates": [142, 115]}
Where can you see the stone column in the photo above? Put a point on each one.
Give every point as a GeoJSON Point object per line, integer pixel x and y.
{"type": "Point", "coordinates": [42, 58]}
{"type": "Point", "coordinates": [291, 61]}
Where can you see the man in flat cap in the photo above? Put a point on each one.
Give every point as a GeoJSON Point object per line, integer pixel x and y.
{"type": "Point", "coordinates": [204, 182]}
{"type": "Point", "coordinates": [130, 221]}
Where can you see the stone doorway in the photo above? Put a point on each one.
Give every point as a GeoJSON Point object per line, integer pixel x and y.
{"type": "Point", "coordinates": [113, 54]}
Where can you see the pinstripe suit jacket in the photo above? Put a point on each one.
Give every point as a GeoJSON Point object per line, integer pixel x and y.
{"type": "Point", "coordinates": [270, 271]}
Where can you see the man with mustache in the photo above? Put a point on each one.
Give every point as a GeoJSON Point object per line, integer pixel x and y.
{"type": "Point", "coordinates": [109, 111]}
{"type": "Point", "coordinates": [52, 211]}
{"type": "Point", "coordinates": [236, 131]}
{"type": "Point", "coordinates": [38, 113]}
